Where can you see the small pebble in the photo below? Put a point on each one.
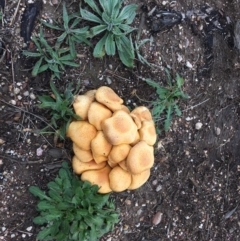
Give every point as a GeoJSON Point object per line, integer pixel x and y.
{"type": "Point", "coordinates": [154, 182]}
{"type": "Point", "coordinates": [217, 131]}
{"type": "Point", "coordinates": [157, 218]}
{"type": "Point", "coordinates": [13, 102]}
{"type": "Point", "coordinates": [198, 125]}
{"type": "Point", "coordinates": [3, 229]}
{"type": "Point", "coordinates": [159, 187]}
{"type": "Point", "coordinates": [16, 91]}
{"type": "Point", "coordinates": [55, 2]}
{"type": "Point", "coordinates": [109, 81]}
{"type": "Point", "coordinates": [26, 93]}
{"type": "Point", "coordinates": [29, 228]}
{"type": "Point", "coordinates": [32, 96]}
{"type": "Point", "coordinates": [189, 65]}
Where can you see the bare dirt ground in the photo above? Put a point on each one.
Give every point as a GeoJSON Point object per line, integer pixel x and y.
{"type": "Point", "coordinates": [194, 189]}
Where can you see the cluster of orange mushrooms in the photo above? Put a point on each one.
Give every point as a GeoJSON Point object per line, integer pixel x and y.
{"type": "Point", "coordinates": [113, 147]}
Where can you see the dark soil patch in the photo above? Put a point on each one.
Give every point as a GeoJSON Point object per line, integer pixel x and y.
{"type": "Point", "coordinates": [194, 185]}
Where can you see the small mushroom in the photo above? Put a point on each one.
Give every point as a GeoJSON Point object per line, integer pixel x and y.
{"type": "Point", "coordinates": [80, 167]}
{"type": "Point", "coordinates": [120, 128]}
{"type": "Point", "coordinates": [120, 179]}
{"type": "Point", "coordinates": [100, 147]}
{"type": "Point", "coordinates": [81, 105]}
{"type": "Point", "coordinates": [99, 177]}
{"type": "Point", "coordinates": [148, 132]}
{"type": "Point", "coordinates": [109, 98]}
{"type": "Point", "coordinates": [119, 153]}
{"type": "Point", "coordinates": [142, 113]}
{"type": "Point", "coordinates": [81, 133]}
{"type": "Point", "coordinates": [140, 158]}
{"type": "Point", "coordinates": [82, 155]}
{"type": "Point", "coordinates": [139, 179]}
{"type": "Point", "coordinates": [97, 113]}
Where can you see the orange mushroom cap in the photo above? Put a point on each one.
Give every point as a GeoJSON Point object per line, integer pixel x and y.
{"type": "Point", "coordinates": [119, 153]}
{"type": "Point", "coordinates": [82, 155]}
{"type": "Point", "coordinates": [81, 133]}
{"type": "Point", "coordinates": [99, 177]}
{"type": "Point", "coordinates": [148, 132]}
{"type": "Point", "coordinates": [97, 113]}
{"type": "Point", "coordinates": [139, 179]}
{"type": "Point", "coordinates": [80, 167]}
{"type": "Point", "coordinates": [140, 158]}
{"type": "Point", "coordinates": [81, 105]}
{"type": "Point", "coordinates": [120, 128]}
{"type": "Point", "coordinates": [109, 98]}
{"type": "Point", "coordinates": [119, 179]}
{"type": "Point", "coordinates": [100, 147]}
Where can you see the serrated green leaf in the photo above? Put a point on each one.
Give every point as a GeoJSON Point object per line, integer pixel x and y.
{"type": "Point", "coordinates": [45, 205]}
{"type": "Point", "coordinates": [43, 234]}
{"type": "Point", "coordinates": [82, 212]}
{"type": "Point", "coordinates": [39, 220]}
{"type": "Point", "coordinates": [177, 110]}
{"type": "Point", "coordinates": [39, 193]}
{"type": "Point", "coordinates": [167, 122]}
{"type": "Point", "coordinates": [54, 186]}
{"type": "Point", "coordinates": [55, 195]}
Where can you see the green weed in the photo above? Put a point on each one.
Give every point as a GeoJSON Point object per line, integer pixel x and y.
{"type": "Point", "coordinates": [73, 210]}
{"type": "Point", "coordinates": [112, 21]}
{"type": "Point", "coordinates": [60, 109]}
{"type": "Point", "coordinates": [50, 58]}
{"type": "Point", "coordinates": [167, 98]}
{"type": "Point", "coordinates": [70, 33]}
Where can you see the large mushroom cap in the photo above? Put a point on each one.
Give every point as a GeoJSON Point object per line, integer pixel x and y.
{"type": "Point", "coordinates": [140, 158]}
{"type": "Point", "coordinates": [82, 155]}
{"type": "Point", "coordinates": [120, 179]}
{"type": "Point", "coordinates": [139, 179]}
{"type": "Point", "coordinates": [81, 105]}
{"type": "Point", "coordinates": [98, 177]}
{"type": "Point", "coordinates": [109, 98]}
{"type": "Point", "coordinates": [100, 147]}
{"type": "Point", "coordinates": [80, 167]}
{"type": "Point", "coordinates": [148, 132]}
{"type": "Point", "coordinates": [97, 113]}
{"type": "Point", "coordinates": [120, 128]}
{"type": "Point", "coordinates": [81, 133]}
{"type": "Point", "coordinates": [119, 153]}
